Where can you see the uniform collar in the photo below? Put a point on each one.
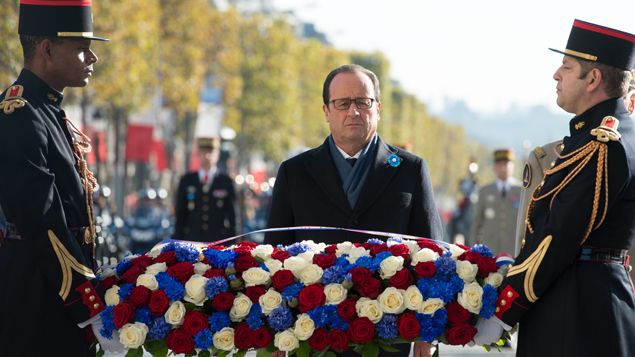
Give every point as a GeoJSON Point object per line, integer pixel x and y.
{"type": "Point", "coordinates": [592, 118]}
{"type": "Point", "coordinates": [38, 88]}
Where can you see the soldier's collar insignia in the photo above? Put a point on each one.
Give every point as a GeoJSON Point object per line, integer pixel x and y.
{"type": "Point", "coordinates": [579, 125]}
{"type": "Point", "coordinates": [526, 175]}
{"type": "Point", "coordinates": [394, 160]}
{"type": "Point", "coordinates": [607, 131]}
{"type": "Point", "coordinates": [52, 97]}
{"type": "Point", "coordinates": [13, 99]}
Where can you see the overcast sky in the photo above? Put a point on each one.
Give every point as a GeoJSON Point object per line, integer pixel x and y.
{"type": "Point", "coordinates": [490, 53]}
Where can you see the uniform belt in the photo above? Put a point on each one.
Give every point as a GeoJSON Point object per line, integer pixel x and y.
{"type": "Point", "coordinates": [11, 232]}
{"type": "Point", "coordinates": [604, 255]}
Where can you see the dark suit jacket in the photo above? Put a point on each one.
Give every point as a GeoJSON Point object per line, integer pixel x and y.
{"type": "Point", "coordinates": [205, 216]}
{"type": "Point", "coordinates": [308, 191]}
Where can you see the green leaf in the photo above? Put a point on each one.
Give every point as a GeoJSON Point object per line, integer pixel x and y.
{"type": "Point", "coordinates": [263, 352]}
{"type": "Point", "coordinates": [157, 348]}
{"type": "Point", "coordinates": [204, 353]}
{"type": "Point", "coordinates": [436, 351]}
{"type": "Point", "coordinates": [370, 350]}
{"type": "Point", "coordinates": [330, 354]}
{"type": "Point", "coordinates": [135, 352]}
{"type": "Point", "coordinates": [100, 353]}
{"type": "Point", "coordinates": [387, 348]}
{"type": "Point", "coordinates": [240, 353]}
{"type": "Point", "coordinates": [303, 350]}
{"type": "Point", "coordinates": [222, 353]}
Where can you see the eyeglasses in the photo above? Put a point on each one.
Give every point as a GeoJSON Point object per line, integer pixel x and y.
{"type": "Point", "coordinates": [345, 103]}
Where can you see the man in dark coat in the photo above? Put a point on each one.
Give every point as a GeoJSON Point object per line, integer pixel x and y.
{"type": "Point", "coordinates": [204, 205]}
{"type": "Point", "coordinates": [48, 288]}
{"type": "Point", "coordinates": [354, 179]}
{"type": "Point", "coordinates": [569, 288]}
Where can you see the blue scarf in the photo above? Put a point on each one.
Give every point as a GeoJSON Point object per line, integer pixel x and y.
{"type": "Point", "coordinates": [353, 178]}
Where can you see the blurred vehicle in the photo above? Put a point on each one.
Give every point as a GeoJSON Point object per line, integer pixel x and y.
{"type": "Point", "coordinates": [148, 224]}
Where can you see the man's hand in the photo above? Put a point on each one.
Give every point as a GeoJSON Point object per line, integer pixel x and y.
{"type": "Point", "coordinates": [278, 354]}
{"type": "Point", "coordinates": [422, 349]}
{"type": "Point", "coordinates": [107, 344]}
{"type": "Point", "coordinates": [488, 331]}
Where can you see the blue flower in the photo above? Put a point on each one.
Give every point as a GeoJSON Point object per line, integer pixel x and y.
{"type": "Point", "coordinates": [445, 267]}
{"type": "Point", "coordinates": [394, 240]}
{"type": "Point", "coordinates": [108, 319]}
{"type": "Point", "coordinates": [159, 328]}
{"type": "Point", "coordinates": [173, 288]}
{"type": "Point", "coordinates": [364, 262]}
{"type": "Point", "coordinates": [186, 253]}
{"type": "Point", "coordinates": [375, 241]}
{"type": "Point", "coordinates": [297, 248]}
{"type": "Point", "coordinates": [143, 315]}
{"type": "Point", "coordinates": [125, 290]}
{"type": "Point", "coordinates": [263, 266]}
{"type": "Point", "coordinates": [387, 327]}
{"type": "Point", "coordinates": [334, 274]}
{"type": "Point", "coordinates": [254, 319]}
{"type": "Point", "coordinates": [320, 316]}
{"type": "Point", "coordinates": [220, 258]}
{"type": "Point", "coordinates": [216, 285]}
{"type": "Point", "coordinates": [436, 287]}
{"type": "Point", "coordinates": [280, 319]}
{"type": "Point", "coordinates": [218, 321]}
{"type": "Point", "coordinates": [378, 259]}
{"type": "Point", "coordinates": [203, 339]}
{"type": "Point", "coordinates": [292, 291]}
{"type": "Point", "coordinates": [489, 301]}
{"type": "Point", "coordinates": [483, 250]}
{"type": "Point", "coordinates": [342, 261]}
{"type": "Point", "coordinates": [394, 160]}
{"type": "Point", "coordinates": [123, 266]}
{"type": "Point", "coordinates": [432, 326]}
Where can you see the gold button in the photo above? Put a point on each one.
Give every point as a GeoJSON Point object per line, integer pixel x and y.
{"type": "Point", "coordinates": [92, 298]}
{"type": "Point", "coordinates": [87, 290]}
{"type": "Point", "coordinates": [552, 164]}
{"type": "Point", "coordinates": [205, 217]}
{"type": "Point", "coordinates": [498, 309]}
{"type": "Point", "coordinates": [96, 306]}
{"type": "Point", "coordinates": [509, 294]}
{"type": "Point", "coordinates": [503, 302]}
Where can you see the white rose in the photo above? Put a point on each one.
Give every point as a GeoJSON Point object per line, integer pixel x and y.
{"type": "Point", "coordinates": [424, 255]}
{"type": "Point", "coordinates": [304, 327]}
{"type": "Point", "coordinates": [369, 308]}
{"type": "Point", "coordinates": [269, 301]}
{"type": "Point", "coordinates": [311, 274]}
{"type": "Point", "coordinates": [256, 276]}
{"type": "Point", "coordinates": [389, 266]}
{"type": "Point", "coordinates": [413, 298]}
{"type": "Point", "coordinates": [175, 313]}
{"type": "Point", "coordinates": [430, 306]}
{"type": "Point", "coordinates": [201, 268]}
{"type": "Point", "coordinates": [308, 256]}
{"type": "Point", "coordinates": [262, 251]}
{"type": "Point", "coordinates": [456, 251]}
{"type": "Point", "coordinates": [494, 279]}
{"type": "Point", "coordinates": [112, 296]}
{"type": "Point", "coordinates": [343, 248]}
{"type": "Point", "coordinates": [393, 241]}
{"type": "Point", "coordinates": [273, 265]}
{"type": "Point", "coordinates": [148, 280]}
{"type": "Point", "coordinates": [413, 246]}
{"type": "Point", "coordinates": [241, 307]}
{"type": "Point", "coordinates": [466, 270]}
{"type": "Point", "coordinates": [391, 301]}
{"type": "Point", "coordinates": [335, 293]}
{"type": "Point", "coordinates": [155, 252]}
{"type": "Point", "coordinates": [133, 335]}
{"type": "Point", "coordinates": [156, 268]}
{"type": "Point", "coordinates": [295, 264]}
{"type": "Point", "coordinates": [224, 339]}
{"type": "Point", "coordinates": [357, 253]}
{"type": "Point", "coordinates": [286, 341]}
{"type": "Point", "coordinates": [195, 290]}
{"type": "Point", "coordinates": [471, 298]}
{"type": "Point", "coordinates": [315, 247]}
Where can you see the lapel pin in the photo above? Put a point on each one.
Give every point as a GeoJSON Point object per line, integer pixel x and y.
{"type": "Point", "coordinates": [394, 160]}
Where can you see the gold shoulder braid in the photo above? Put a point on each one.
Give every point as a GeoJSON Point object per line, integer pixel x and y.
{"type": "Point", "coordinates": [607, 131]}
{"type": "Point", "coordinates": [13, 99]}
{"type": "Point", "coordinates": [82, 146]}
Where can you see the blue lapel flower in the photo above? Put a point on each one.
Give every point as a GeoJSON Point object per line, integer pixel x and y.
{"type": "Point", "coordinates": [394, 160]}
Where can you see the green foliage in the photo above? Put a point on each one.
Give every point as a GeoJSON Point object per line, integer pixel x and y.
{"type": "Point", "coordinates": [156, 348]}
{"type": "Point", "coordinates": [11, 53]}
{"type": "Point", "coordinates": [135, 352]}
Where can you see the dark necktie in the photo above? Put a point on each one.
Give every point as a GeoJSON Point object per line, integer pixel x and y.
{"type": "Point", "coordinates": [351, 161]}
{"type": "Point", "coordinates": [504, 191]}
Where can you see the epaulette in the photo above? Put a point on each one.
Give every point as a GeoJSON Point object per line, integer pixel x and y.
{"type": "Point", "coordinates": [540, 152]}
{"type": "Point", "coordinates": [607, 131]}
{"type": "Point", "coordinates": [13, 99]}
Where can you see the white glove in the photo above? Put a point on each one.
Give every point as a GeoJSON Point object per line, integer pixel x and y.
{"type": "Point", "coordinates": [488, 330]}
{"type": "Point", "coordinates": [107, 344]}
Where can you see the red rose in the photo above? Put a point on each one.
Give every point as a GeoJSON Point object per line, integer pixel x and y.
{"type": "Point", "coordinates": [362, 330]}
{"type": "Point", "coordinates": [108, 282]}
{"type": "Point", "coordinates": [223, 301]}
{"type": "Point", "coordinates": [243, 337]}
{"type": "Point", "coordinates": [485, 266]}
{"type": "Point", "coordinates": [194, 322]}
{"type": "Point", "coordinates": [430, 245]}
{"type": "Point", "coordinates": [180, 342]}
{"type": "Point", "coordinates": [378, 248]}
{"type": "Point", "coordinates": [408, 326]}
{"type": "Point", "coordinates": [131, 275]}
{"type": "Point", "coordinates": [331, 249]}
{"type": "Point", "coordinates": [311, 297]}
{"type": "Point", "coordinates": [245, 247]}
{"type": "Point", "coordinates": [400, 250]}
{"type": "Point", "coordinates": [456, 313]}
{"type": "Point", "coordinates": [370, 288]}
{"type": "Point", "coordinates": [210, 273]}
{"type": "Point", "coordinates": [245, 262]}
{"type": "Point", "coordinates": [261, 337]}
{"type": "Point", "coordinates": [425, 269]}
{"type": "Point", "coordinates": [401, 280]}
{"type": "Point", "coordinates": [319, 340]}
{"type": "Point", "coordinates": [142, 261]}
{"type": "Point", "coordinates": [460, 334]}
{"type": "Point", "coordinates": [123, 313]}
{"type": "Point", "coordinates": [346, 310]}
{"type": "Point", "coordinates": [280, 255]}
{"type": "Point", "coordinates": [168, 258]}
{"type": "Point", "coordinates": [281, 279]}
{"type": "Point", "coordinates": [181, 271]}
{"type": "Point", "coordinates": [139, 296]}
{"type": "Point", "coordinates": [324, 261]}
{"type": "Point", "coordinates": [216, 246]}
{"type": "Point", "coordinates": [360, 274]}
{"type": "Point", "coordinates": [159, 303]}
{"type": "Point", "coordinates": [254, 293]}
{"type": "Point", "coordinates": [338, 340]}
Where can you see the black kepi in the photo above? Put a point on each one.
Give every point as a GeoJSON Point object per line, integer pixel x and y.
{"type": "Point", "coordinates": [57, 18]}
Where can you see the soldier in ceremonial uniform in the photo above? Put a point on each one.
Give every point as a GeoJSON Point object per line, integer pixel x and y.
{"type": "Point", "coordinates": [48, 292]}
{"type": "Point", "coordinates": [497, 206]}
{"type": "Point", "coordinates": [569, 288]}
{"type": "Point", "coordinates": [205, 199]}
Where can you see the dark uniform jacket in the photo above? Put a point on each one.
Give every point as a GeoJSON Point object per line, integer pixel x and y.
{"type": "Point", "coordinates": [566, 305]}
{"type": "Point", "coordinates": [47, 283]}
{"type": "Point", "coordinates": [205, 213]}
{"type": "Point", "coordinates": [308, 191]}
